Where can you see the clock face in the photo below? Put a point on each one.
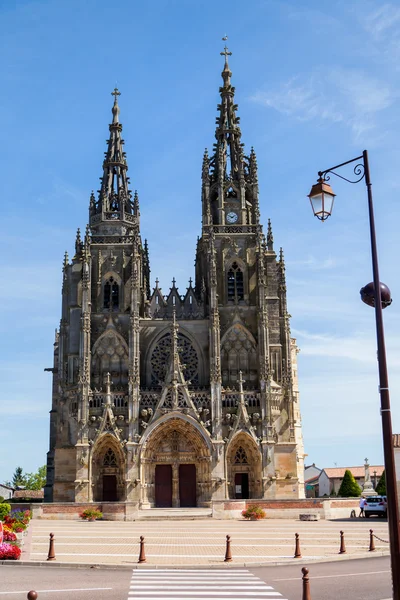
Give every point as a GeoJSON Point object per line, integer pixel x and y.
{"type": "Point", "coordinates": [231, 217]}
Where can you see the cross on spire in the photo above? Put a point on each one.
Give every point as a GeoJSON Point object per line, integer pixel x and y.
{"type": "Point", "coordinates": [225, 52]}
{"type": "Point", "coordinates": [115, 93]}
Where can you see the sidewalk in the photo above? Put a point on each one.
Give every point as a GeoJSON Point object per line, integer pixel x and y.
{"type": "Point", "coordinates": [203, 542]}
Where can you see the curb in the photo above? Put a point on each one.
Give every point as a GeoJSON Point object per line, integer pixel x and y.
{"type": "Point", "coordinates": [234, 565]}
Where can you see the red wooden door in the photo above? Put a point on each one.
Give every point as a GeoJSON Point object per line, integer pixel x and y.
{"type": "Point", "coordinates": [187, 485]}
{"type": "Point", "coordinates": [110, 488]}
{"type": "Point", "coordinates": [163, 486]}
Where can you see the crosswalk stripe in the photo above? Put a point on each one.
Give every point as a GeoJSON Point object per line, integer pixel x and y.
{"type": "Point", "coordinates": [207, 584]}
{"type": "Point", "coordinates": [199, 587]}
{"type": "Point", "coordinates": [173, 594]}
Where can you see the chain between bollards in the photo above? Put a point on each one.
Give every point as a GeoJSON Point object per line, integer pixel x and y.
{"type": "Point", "coordinates": [142, 555]}
{"type": "Point", "coordinates": [306, 585]}
{"type": "Point", "coordinates": [297, 552]}
{"type": "Point", "coordinates": [342, 546]}
{"type": "Point", "coordinates": [371, 541]}
{"type": "Point", "coordinates": [51, 555]}
{"type": "Point", "coordinates": [32, 595]}
{"type": "Point", "coordinates": [228, 553]}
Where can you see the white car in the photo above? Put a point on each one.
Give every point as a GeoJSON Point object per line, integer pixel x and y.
{"type": "Point", "coordinates": [375, 505]}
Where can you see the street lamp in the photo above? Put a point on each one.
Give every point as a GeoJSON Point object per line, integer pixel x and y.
{"type": "Point", "coordinates": [377, 295]}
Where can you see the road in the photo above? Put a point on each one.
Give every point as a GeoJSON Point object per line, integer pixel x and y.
{"type": "Point", "coordinates": [359, 579]}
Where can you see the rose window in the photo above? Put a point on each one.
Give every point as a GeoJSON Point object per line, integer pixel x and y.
{"type": "Point", "coordinates": [161, 356]}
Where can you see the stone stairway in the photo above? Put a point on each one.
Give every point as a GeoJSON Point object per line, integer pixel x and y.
{"type": "Point", "coordinates": [175, 514]}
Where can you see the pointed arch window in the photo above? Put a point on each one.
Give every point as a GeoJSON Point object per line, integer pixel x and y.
{"type": "Point", "coordinates": [110, 460]}
{"type": "Point", "coordinates": [241, 456]}
{"type": "Point", "coordinates": [111, 294]}
{"type": "Point", "coordinates": [235, 283]}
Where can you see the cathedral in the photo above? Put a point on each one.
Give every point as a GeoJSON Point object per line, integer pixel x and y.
{"type": "Point", "coordinates": [176, 400]}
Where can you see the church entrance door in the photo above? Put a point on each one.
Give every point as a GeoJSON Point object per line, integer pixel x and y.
{"type": "Point", "coordinates": [187, 485]}
{"type": "Point", "coordinates": [163, 481]}
{"type": "Point", "coordinates": [110, 488]}
{"type": "Point", "coordinates": [241, 485]}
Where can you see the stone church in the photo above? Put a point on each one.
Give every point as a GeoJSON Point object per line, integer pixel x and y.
{"type": "Point", "coordinates": [180, 399]}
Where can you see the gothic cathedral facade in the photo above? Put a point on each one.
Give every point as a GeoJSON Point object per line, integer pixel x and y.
{"type": "Point", "coordinates": [176, 400]}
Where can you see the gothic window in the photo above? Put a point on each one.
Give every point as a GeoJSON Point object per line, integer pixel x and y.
{"type": "Point", "coordinates": [161, 355]}
{"type": "Point", "coordinates": [111, 294]}
{"type": "Point", "coordinates": [235, 283]}
{"type": "Point", "coordinates": [241, 456]}
{"type": "Point", "coordinates": [238, 353]}
{"type": "Point", "coordinates": [110, 460]}
{"type": "Point", "coordinates": [110, 354]}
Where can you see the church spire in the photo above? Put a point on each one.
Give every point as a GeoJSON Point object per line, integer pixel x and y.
{"type": "Point", "coordinates": [229, 177]}
{"type": "Point", "coordinates": [114, 199]}
{"type": "Point", "coordinates": [228, 156]}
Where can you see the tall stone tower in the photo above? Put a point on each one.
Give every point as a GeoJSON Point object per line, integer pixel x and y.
{"type": "Point", "coordinates": [176, 399]}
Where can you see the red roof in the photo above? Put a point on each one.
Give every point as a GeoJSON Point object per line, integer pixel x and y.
{"type": "Point", "coordinates": [338, 472]}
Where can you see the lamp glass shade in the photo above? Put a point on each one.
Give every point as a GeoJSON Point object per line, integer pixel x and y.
{"type": "Point", "coordinates": [321, 198]}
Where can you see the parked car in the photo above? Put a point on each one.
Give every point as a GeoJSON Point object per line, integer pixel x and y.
{"type": "Point", "coordinates": [375, 505]}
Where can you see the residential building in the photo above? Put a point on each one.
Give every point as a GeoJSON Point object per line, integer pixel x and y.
{"type": "Point", "coordinates": [330, 479]}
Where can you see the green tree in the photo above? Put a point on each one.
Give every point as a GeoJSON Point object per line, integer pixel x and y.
{"type": "Point", "coordinates": [349, 487]}
{"type": "Point", "coordinates": [36, 481]}
{"type": "Point", "coordinates": [18, 477]}
{"type": "Point", "coordinates": [381, 487]}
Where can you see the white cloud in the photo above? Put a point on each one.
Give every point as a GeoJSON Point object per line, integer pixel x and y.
{"type": "Point", "coordinates": [335, 95]}
{"type": "Point", "coordinates": [357, 347]}
{"type": "Point", "coordinates": [383, 21]}
{"type": "Point", "coordinates": [314, 263]}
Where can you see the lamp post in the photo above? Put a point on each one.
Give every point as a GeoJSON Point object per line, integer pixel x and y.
{"type": "Point", "coordinates": [377, 295]}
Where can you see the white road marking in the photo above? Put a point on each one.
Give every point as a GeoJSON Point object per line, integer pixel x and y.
{"type": "Point", "coordinates": [254, 595]}
{"type": "Point", "coordinates": [210, 586]}
{"type": "Point", "coordinates": [66, 590]}
{"type": "Point", "coordinates": [188, 556]}
{"type": "Point", "coordinates": [332, 576]}
{"type": "Point", "coordinates": [219, 545]}
{"type": "Point", "coordinates": [181, 584]}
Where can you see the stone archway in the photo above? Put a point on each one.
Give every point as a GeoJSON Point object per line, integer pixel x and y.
{"type": "Point", "coordinates": [108, 468]}
{"type": "Point", "coordinates": [243, 461]}
{"type": "Point", "coordinates": [175, 463]}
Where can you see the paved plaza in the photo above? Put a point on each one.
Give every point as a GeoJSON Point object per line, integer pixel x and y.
{"type": "Point", "coordinates": [202, 542]}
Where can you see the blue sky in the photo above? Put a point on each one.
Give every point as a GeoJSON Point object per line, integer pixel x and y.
{"type": "Point", "coordinates": [316, 83]}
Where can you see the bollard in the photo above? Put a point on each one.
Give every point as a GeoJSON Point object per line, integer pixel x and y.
{"type": "Point", "coordinates": [297, 553]}
{"type": "Point", "coordinates": [228, 553]}
{"type": "Point", "coordinates": [371, 541]}
{"type": "Point", "coordinates": [51, 555]}
{"type": "Point", "coordinates": [342, 546]}
{"type": "Point", "coordinates": [32, 595]}
{"type": "Point", "coordinates": [142, 556]}
{"type": "Point", "coordinates": [306, 585]}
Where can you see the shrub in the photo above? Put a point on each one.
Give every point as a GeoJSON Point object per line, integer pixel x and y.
{"type": "Point", "coordinates": [349, 487]}
{"type": "Point", "coordinates": [381, 487]}
{"type": "Point", "coordinates": [9, 552]}
{"type": "Point", "coordinates": [90, 514]}
{"type": "Point", "coordinates": [5, 508]}
{"type": "Point", "coordinates": [254, 512]}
